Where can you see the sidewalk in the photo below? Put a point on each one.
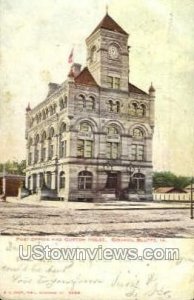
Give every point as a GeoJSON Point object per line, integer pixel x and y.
{"type": "Point", "coordinates": [110, 205]}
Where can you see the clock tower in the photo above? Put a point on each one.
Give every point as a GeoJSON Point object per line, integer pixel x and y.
{"type": "Point", "coordinates": [108, 55]}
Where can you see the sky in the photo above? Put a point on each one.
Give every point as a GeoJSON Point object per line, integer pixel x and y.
{"type": "Point", "coordinates": [37, 37]}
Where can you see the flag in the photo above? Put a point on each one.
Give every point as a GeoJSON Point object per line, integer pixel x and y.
{"type": "Point", "coordinates": [70, 59]}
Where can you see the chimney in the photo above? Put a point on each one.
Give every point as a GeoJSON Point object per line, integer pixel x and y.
{"type": "Point", "coordinates": [52, 87]}
{"type": "Point", "coordinates": [76, 69]}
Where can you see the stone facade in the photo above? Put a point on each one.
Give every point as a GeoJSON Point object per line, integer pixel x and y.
{"type": "Point", "coordinates": [92, 136]}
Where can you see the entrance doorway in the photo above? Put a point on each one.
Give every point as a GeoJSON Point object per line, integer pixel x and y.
{"type": "Point", "coordinates": [114, 182]}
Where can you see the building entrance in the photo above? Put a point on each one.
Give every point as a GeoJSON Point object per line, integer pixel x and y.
{"type": "Point", "coordinates": [114, 182]}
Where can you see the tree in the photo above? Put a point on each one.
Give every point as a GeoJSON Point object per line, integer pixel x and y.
{"type": "Point", "coordinates": [14, 167]}
{"type": "Point", "coordinates": [167, 179]}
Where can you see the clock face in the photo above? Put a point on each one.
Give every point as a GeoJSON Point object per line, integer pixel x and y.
{"type": "Point", "coordinates": [113, 52]}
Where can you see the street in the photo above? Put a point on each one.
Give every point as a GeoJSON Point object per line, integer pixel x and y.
{"type": "Point", "coordinates": [119, 218]}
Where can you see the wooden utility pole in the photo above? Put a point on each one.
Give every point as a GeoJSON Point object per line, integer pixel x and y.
{"type": "Point", "coordinates": [192, 198]}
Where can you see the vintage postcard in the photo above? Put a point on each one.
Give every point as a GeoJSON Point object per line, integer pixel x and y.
{"type": "Point", "coordinates": [97, 150]}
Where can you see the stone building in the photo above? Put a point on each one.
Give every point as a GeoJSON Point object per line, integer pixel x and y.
{"type": "Point", "coordinates": [91, 138]}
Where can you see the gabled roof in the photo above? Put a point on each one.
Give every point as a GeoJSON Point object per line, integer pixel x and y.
{"type": "Point", "coordinates": [85, 78]}
{"type": "Point", "coordinates": [164, 189]}
{"type": "Point", "coordinates": [109, 24]}
{"type": "Point", "coordinates": [169, 189]}
{"type": "Point", "coordinates": [135, 90]}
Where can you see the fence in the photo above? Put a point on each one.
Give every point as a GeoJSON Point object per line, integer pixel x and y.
{"type": "Point", "coordinates": [172, 197]}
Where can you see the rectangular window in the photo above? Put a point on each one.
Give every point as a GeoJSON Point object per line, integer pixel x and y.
{"type": "Point", "coordinates": [88, 148]}
{"type": "Point", "coordinates": [90, 105]}
{"type": "Point", "coordinates": [133, 152]}
{"type": "Point", "coordinates": [137, 152]}
{"type": "Point", "coordinates": [112, 150]}
{"type": "Point", "coordinates": [51, 151]}
{"type": "Point", "coordinates": [80, 148]}
{"type": "Point", "coordinates": [84, 183]}
{"type": "Point", "coordinates": [43, 154]}
{"type": "Point", "coordinates": [110, 81]}
{"type": "Point", "coordinates": [62, 149]}
{"type": "Point", "coordinates": [113, 82]}
{"type": "Point", "coordinates": [84, 148]}
{"type": "Point", "coordinates": [140, 152]}
{"type": "Point", "coordinates": [36, 156]}
{"type": "Point", "coordinates": [117, 83]}
{"type": "Point", "coordinates": [81, 181]}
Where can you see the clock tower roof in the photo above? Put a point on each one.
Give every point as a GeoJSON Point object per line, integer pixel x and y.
{"type": "Point", "coordinates": [109, 24]}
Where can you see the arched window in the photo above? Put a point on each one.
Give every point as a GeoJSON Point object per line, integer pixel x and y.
{"type": "Point", "coordinates": [141, 110]}
{"type": "Point", "coordinates": [81, 102]}
{"type": "Point", "coordinates": [62, 142]}
{"type": "Point", "coordinates": [47, 112]}
{"type": "Point", "coordinates": [110, 106]}
{"type": "Point", "coordinates": [51, 133]}
{"type": "Point", "coordinates": [43, 150]}
{"type": "Point", "coordinates": [93, 54]}
{"type": "Point", "coordinates": [138, 133]}
{"type": "Point", "coordinates": [43, 136]}
{"type": "Point", "coordinates": [112, 130]}
{"type": "Point", "coordinates": [54, 108]}
{"type": "Point", "coordinates": [85, 127]}
{"type": "Point", "coordinates": [112, 147]}
{"type": "Point", "coordinates": [62, 128]}
{"type": "Point", "coordinates": [139, 181]}
{"type": "Point", "coordinates": [36, 150]}
{"type": "Point", "coordinates": [43, 115]}
{"type": "Point", "coordinates": [85, 144]}
{"type": "Point", "coordinates": [39, 117]}
{"type": "Point", "coordinates": [63, 102]}
{"type": "Point", "coordinates": [30, 142]}
{"type": "Point", "coordinates": [138, 145]}
{"type": "Point", "coordinates": [51, 142]}
{"type": "Point", "coordinates": [133, 109]}
{"type": "Point", "coordinates": [117, 107]}
{"type": "Point", "coordinates": [85, 179]}
{"type": "Point", "coordinates": [90, 103]}
{"type": "Point", "coordinates": [37, 139]}
{"type": "Point", "coordinates": [62, 180]}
